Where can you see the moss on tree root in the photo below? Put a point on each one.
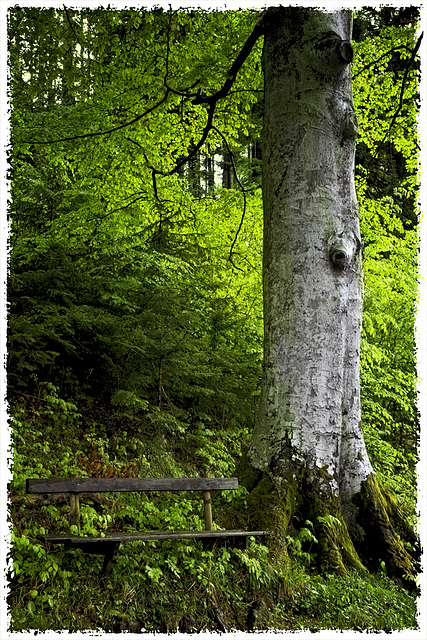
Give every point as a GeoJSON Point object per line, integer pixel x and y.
{"type": "Point", "coordinates": [387, 532]}
{"type": "Point", "coordinates": [335, 548]}
{"type": "Point", "coordinates": [378, 532]}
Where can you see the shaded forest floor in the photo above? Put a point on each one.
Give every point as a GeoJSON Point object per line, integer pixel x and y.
{"type": "Point", "coordinates": [170, 585]}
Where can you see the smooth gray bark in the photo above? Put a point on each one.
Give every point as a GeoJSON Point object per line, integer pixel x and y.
{"type": "Point", "coordinates": [310, 404]}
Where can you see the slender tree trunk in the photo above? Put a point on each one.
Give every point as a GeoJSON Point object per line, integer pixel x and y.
{"type": "Point", "coordinates": [227, 171]}
{"type": "Point", "coordinates": [209, 164]}
{"type": "Point", "coordinates": [255, 153]}
{"type": "Point", "coordinates": [194, 175]}
{"type": "Point", "coordinates": [307, 458]}
{"type": "Point", "coordinates": [68, 62]}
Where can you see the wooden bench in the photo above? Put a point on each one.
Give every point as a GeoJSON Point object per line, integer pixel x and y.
{"type": "Point", "coordinates": [109, 543]}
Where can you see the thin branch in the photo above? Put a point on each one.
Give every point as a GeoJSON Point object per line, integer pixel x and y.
{"type": "Point", "coordinates": [153, 175]}
{"type": "Point", "coordinates": [401, 96]}
{"type": "Point", "coordinates": [125, 206]}
{"type": "Point", "coordinates": [186, 93]}
{"type": "Point", "coordinates": [224, 139]}
{"type": "Point", "coordinates": [199, 145]}
{"type": "Point", "coordinates": [257, 32]}
{"type": "Point", "coordinates": [243, 190]}
{"type": "Point", "coordinates": [384, 55]}
{"type": "Point", "coordinates": [72, 26]}
{"type": "Point", "coordinates": [402, 89]}
{"type": "Point", "coordinates": [105, 132]}
{"type": "Point", "coordinates": [134, 142]}
{"type": "Point", "coordinates": [183, 94]}
{"type": "Point", "coordinates": [156, 172]}
{"type": "Point", "coordinates": [212, 100]}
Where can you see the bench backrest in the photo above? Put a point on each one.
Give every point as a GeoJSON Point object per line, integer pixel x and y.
{"type": "Point", "coordinates": [92, 485]}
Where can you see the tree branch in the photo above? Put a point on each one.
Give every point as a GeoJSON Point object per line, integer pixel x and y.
{"type": "Point", "coordinates": [105, 132]}
{"type": "Point", "coordinates": [212, 100]}
{"type": "Point", "coordinates": [72, 26]}
{"type": "Point", "coordinates": [402, 89]}
{"type": "Point", "coordinates": [198, 98]}
{"type": "Point", "coordinates": [257, 32]}
{"type": "Point", "coordinates": [125, 206]}
{"type": "Point", "coordinates": [401, 96]}
{"type": "Point", "coordinates": [243, 190]}
{"type": "Point", "coordinates": [384, 55]}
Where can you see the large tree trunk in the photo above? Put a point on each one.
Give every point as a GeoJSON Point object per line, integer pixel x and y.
{"type": "Point", "coordinates": [307, 458]}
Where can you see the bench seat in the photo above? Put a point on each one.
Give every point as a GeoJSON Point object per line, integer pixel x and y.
{"type": "Point", "coordinates": [233, 537]}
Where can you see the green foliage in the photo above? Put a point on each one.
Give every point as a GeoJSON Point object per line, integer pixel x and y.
{"type": "Point", "coordinates": [386, 79]}
{"type": "Point", "coordinates": [134, 343]}
{"type": "Point", "coordinates": [351, 602]}
{"type": "Point", "coordinates": [299, 546]}
{"type": "Point", "coordinates": [159, 582]}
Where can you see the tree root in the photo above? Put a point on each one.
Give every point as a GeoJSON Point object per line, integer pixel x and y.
{"type": "Point", "coordinates": [389, 537]}
{"type": "Point", "coordinates": [377, 532]}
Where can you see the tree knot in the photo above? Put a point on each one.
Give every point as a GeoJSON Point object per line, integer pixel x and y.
{"type": "Point", "coordinates": [345, 52]}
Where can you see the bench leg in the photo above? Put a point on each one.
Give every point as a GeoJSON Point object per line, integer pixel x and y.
{"type": "Point", "coordinates": [108, 561]}
{"type": "Point", "coordinates": [75, 510]}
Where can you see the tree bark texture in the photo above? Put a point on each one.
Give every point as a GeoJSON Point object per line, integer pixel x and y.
{"type": "Point", "coordinates": [307, 457]}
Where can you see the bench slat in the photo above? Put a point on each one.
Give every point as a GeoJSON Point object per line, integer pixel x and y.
{"type": "Point", "coordinates": [80, 541]}
{"type": "Point", "coordinates": [92, 485]}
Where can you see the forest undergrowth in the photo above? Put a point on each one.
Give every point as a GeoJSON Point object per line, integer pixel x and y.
{"type": "Point", "coordinates": [170, 585]}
